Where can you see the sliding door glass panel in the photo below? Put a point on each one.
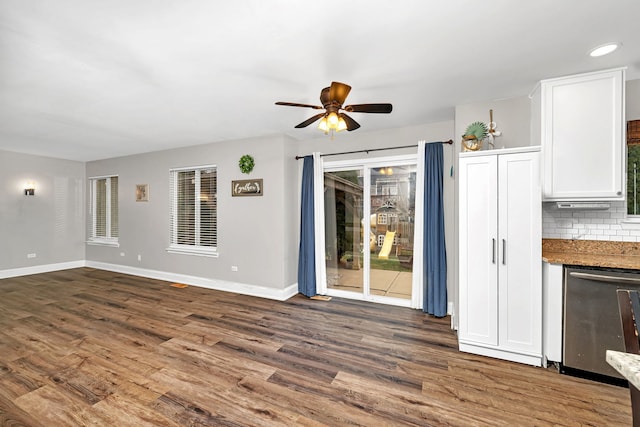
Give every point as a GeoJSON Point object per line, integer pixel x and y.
{"type": "Point", "coordinates": [343, 206]}
{"type": "Point", "coordinates": [392, 198]}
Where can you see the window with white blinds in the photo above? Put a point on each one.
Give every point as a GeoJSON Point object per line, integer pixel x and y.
{"type": "Point", "coordinates": [194, 210]}
{"type": "Point", "coordinates": [103, 210]}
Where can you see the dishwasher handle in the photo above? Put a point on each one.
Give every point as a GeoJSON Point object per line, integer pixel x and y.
{"type": "Point", "coordinates": [604, 278]}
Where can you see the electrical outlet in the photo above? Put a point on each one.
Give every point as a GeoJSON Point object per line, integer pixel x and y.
{"type": "Point", "coordinates": [31, 255]}
{"type": "Point", "coordinates": [139, 257]}
{"type": "Point", "coordinates": [234, 268]}
{"type": "Point", "coordinates": [121, 253]}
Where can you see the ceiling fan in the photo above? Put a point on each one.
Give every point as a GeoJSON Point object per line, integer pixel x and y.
{"type": "Point", "coordinates": [334, 117]}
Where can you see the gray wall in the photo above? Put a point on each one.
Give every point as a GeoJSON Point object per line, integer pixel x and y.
{"type": "Point", "coordinates": [512, 117]}
{"type": "Point", "coordinates": [259, 235]}
{"type": "Point", "coordinates": [49, 224]}
{"type": "Point", "coordinates": [291, 211]}
{"type": "Point", "coordinates": [255, 234]}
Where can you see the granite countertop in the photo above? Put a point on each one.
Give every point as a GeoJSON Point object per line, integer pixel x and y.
{"type": "Point", "coordinates": [592, 253]}
{"type": "Point", "coordinates": [627, 364]}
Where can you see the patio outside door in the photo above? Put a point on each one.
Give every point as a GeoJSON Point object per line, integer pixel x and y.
{"type": "Point", "coordinates": [369, 231]}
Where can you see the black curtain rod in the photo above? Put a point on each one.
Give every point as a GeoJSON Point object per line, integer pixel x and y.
{"type": "Point", "coordinates": [375, 149]}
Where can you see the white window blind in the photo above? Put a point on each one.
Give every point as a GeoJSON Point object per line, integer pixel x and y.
{"type": "Point", "coordinates": [103, 210]}
{"type": "Point", "coordinates": [194, 210]}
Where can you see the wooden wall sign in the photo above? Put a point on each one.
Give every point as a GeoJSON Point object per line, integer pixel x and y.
{"type": "Point", "coordinates": [246, 187]}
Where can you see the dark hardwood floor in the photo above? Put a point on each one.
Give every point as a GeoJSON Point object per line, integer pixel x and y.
{"type": "Point", "coordinates": [95, 348]}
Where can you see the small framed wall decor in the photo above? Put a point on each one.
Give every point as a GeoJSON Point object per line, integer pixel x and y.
{"type": "Point", "coordinates": [142, 192]}
{"type": "Point", "coordinates": [246, 187]}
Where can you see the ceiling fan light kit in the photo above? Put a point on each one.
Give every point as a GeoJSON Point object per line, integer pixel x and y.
{"type": "Point", "coordinates": [332, 122]}
{"type": "Point", "coordinates": [334, 119]}
{"type": "Point", "coordinates": [342, 125]}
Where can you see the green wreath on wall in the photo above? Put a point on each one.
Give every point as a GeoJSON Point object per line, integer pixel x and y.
{"type": "Point", "coordinates": [246, 163]}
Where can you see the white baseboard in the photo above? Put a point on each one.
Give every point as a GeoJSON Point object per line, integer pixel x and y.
{"type": "Point", "coordinates": [528, 359]}
{"type": "Point", "coordinates": [36, 269]}
{"type": "Point", "coordinates": [219, 285]}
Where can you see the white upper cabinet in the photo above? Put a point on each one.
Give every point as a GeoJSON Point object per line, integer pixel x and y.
{"type": "Point", "coordinates": [579, 121]}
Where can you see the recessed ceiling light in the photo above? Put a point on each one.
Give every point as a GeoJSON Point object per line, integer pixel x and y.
{"type": "Point", "coordinates": [604, 49]}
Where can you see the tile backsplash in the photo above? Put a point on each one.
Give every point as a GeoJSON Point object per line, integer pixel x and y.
{"type": "Point", "coordinates": [611, 224]}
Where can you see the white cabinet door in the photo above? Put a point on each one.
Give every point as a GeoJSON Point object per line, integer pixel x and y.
{"type": "Point", "coordinates": [582, 131]}
{"type": "Point", "coordinates": [478, 311]}
{"type": "Point", "coordinates": [520, 244]}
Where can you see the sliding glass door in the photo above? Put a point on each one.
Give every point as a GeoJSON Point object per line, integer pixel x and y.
{"type": "Point", "coordinates": [343, 212]}
{"type": "Point", "coordinates": [369, 230]}
{"type": "Point", "coordinates": [392, 204]}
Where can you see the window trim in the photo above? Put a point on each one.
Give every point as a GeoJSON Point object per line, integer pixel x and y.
{"type": "Point", "coordinates": [177, 248]}
{"type": "Point", "coordinates": [193, 250]}
{"type": "Point", "coordinates": [92, 238]}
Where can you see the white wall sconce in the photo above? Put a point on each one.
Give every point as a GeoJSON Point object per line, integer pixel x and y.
{"type": "Point", "coordinates": [30, 188]}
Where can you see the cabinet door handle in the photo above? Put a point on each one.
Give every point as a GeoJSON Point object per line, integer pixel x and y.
{"type": "Point", "coordinates": [604, 278]}
{"type": "Point", "coordinates": [504, 252]}
{"type": "Point", "coordinates": [493, 251]}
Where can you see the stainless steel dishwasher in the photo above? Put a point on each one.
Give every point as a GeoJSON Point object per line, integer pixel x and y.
{"type": "Point", "coordinates": [591, 317]}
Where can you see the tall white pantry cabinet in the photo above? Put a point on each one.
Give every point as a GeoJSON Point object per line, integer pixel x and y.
{"type": "Point", "coordinates": [500, 238]}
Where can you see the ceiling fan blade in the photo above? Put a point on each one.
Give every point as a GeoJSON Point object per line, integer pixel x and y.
{"type": "Point", "coordinates": [309, 121]}
{"type": "Point", "coordinates": [295, 104]}
{"type": "Point", "coordinates": [369, 108]}
{"type": "Point", "coordinates": [351, 124]}
{"type": "Point", "coordinates": [338, 92]}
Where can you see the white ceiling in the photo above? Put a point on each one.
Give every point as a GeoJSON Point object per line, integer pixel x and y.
{"type": "Point", "coordinates": [90, 79]}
